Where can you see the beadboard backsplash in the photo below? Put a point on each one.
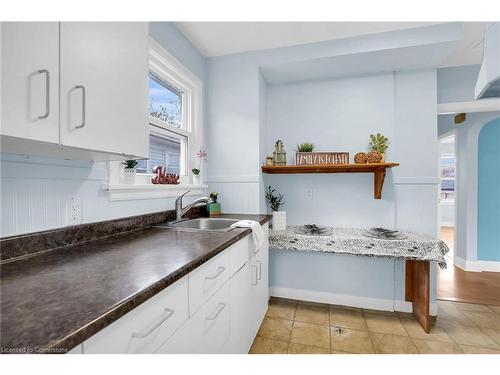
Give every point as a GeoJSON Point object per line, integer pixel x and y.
{"type": "Point", "coordinates": [37, 192]}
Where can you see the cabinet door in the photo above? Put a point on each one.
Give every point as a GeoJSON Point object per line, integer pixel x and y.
{"type": "Point", "coordinates": [241, 318]}
{"type": "Point", "coordinates": [104, 90]}
{"type": "Point", "coordinates": [30, 76]}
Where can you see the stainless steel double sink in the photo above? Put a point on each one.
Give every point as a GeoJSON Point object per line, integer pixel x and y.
{"type": "Point", "coordinates": [202, 224]}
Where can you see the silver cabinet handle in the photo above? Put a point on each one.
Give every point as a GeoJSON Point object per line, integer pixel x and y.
{"type": "Point", "coordinates": [167, 314]}
{"type": "Point", "coordinates": [259, 274]}
{"type": "Point", "coordinates": [47, 93]}
{"type": "Point", "coordinates": [256, 279]}
{"type": "Point", "coordinates": [83, 105]}
{"type": "Point", "coordinates": [256, 250]}
{"type": "Point", "coordinates": [217, 274]}
{"type": "Point", "coordinates": [217, 311]}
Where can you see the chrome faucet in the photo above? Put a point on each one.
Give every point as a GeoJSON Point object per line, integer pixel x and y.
{"type": "Point", "coordinates": [179, 210]}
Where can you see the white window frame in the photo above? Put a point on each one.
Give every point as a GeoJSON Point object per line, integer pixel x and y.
{"type": "Point", "coordinates": [167, 68]}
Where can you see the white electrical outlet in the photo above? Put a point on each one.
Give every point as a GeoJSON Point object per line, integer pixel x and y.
{"type": "Point", "coordinates": [74, 211]}
{"type": "Point", "coordinates": [309, 193]}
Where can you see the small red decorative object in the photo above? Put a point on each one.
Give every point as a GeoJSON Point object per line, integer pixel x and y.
{"type": "Point", "coordinates": [163, 178]}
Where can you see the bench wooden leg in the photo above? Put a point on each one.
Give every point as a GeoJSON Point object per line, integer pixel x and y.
{"type": "Point", "coordinates": [417, 286]}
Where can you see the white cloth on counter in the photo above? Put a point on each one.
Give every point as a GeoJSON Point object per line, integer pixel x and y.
{"type": "Point", "coordinates": [257, 232]}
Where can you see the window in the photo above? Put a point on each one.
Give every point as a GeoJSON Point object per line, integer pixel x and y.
{"type": "Point", "coordinates": [447, 174]}
{"type": "Point", "coordinates": [175, 130]}
{"type": "Point", "coordinates": [167, 145]}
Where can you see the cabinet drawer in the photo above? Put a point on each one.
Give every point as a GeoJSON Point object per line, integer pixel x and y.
{"type": "Point", "coordinates": [146, 327]}
{"type": "Point", "coordinates": [239, 254]}
{"type": "Point", "coordinates": [207, 279]}
{"type": "Point", "coordinates": [207, 331]}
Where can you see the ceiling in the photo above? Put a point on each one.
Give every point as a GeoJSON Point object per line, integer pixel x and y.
{"type": "Point", "coordinates": [223, 38]}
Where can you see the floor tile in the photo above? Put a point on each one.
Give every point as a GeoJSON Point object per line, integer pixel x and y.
{"type": "Point", "coordinates": [493, 333]}
{"type": "Point", "coordinates": [379, 312]}
{"type": "Point", "coordinates": [347, 318]}
{"type": "Point", "coordinates": [262, 345]}
{"type": "Point", "coordinates": [281, 309]}
{"type": "Point", "coordinates": [278, 329]}
{"type": "Point", "coordinates": [478, 350]}
{"type": "Point", "coordinates": [351, 340]}
{"type": "Point", "coordinates": [416, 331]}
{"type": "Point", "coordinates": [436, 347]}
{"type": "Point", "coordinates": [495, 309]}
{"type": "Point", "coordinates": [340, 352]}
{"type": "Point", "coordinates": [311, 334]}
{"type": "Point", "coordinates": [309, 313]}
{"type": "Point", "coordinates": [385, 324]}
{"type": "Point", "coordinates": [484, 319]}
{"type": "Point", "coordinates": [470, 336]}
{"type": "Point", "coordinates": [346, 308]}
{"type": "Point", "coordinates": [294, 348]}
{"type": "Point", "coordinates": [393, 344]}
{"type": "Point", "coordinates": [462, 306]}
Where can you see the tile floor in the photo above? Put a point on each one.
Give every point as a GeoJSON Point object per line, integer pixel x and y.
{"type": "Point", "coordinates": [303, 327]}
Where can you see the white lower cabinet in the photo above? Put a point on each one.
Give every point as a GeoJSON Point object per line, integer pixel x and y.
{"type": "Point", "coordinates": [217, 308]}
{"type": "Point", "coordinates": [146, 327]}
{"type": "Point", "coordinates": [207, 331]}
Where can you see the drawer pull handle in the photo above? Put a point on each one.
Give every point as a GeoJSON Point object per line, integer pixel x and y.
{"type": "Point", "coordinates": [217, 274]}
{"type": "Point", "coordinates": [47, 93]}
{"type": "Point", "coordinates": [256, 271]}
{"type": "Point", "coordinates": [217, 312]}
{"type": "Point", "coordinates": [82, 124]}
{"type": "Point", "coordinates": [167, 314]}
{"type": "Point", "coordinates": [259, 273]}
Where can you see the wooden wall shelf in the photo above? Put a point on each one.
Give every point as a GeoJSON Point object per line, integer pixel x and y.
{"type": "Point", "coordinates": [378, 170]}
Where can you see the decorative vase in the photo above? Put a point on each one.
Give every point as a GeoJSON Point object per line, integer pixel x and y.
{"type": "Point", "coordinates": [279, 220]}
{"type": "Point", "coordinates": [383, 158]}
{"type": "Point", "coordinates": [196, 179]}
{"type": "Point", "coordinates": [214, 209]}
{"type": "Point", "coordinates": [129, 175]}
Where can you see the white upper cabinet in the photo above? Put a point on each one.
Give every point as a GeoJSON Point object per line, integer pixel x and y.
{"type": "Point", "coordinates": [104, 92]}
{"type": "Point", "coordinates": [30, 80]}
{"type": "Point", "coordinates": [75, 90]}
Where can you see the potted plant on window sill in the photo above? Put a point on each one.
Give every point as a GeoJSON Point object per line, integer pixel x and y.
{"type": "Point", "coordinates": [275, 201]}
{"type": "Point", "coordinates": [129, 171]}
{"type": "Point", "coordinates": [201, 155]}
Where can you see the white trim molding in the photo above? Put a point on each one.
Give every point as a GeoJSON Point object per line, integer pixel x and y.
{"type": "Point", "coordinates": [149, 191]}
{"type": "Point", "coordinates": [477, 265]}
{"type": "Point", "coordinates": [481, 105]}
{"type": "Point", "coordinates": [233, 178]}
{"type": "Point", "coordinates": [417, 180]}
{"type": "Point", "coordinates": [345, 300]}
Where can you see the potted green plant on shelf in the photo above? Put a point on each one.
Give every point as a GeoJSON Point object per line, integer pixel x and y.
{"type": "Point", "coordinates": [275, 201]}
{"type": "Point", "coordinates": [129, 171]}
{"type": "Point", "coordinates": [305, 147]}
{"type": "Point", "coordinates": [379, 143]}
{"type": "Point", "coordinates": [214, 207]}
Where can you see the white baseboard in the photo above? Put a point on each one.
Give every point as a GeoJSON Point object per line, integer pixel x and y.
{"type": "Point", "coordinates": [345, 300]}
{"type": "Point", "coordinates": [477, 265]}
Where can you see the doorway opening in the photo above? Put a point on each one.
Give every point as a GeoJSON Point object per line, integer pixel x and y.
{"type": "Point", "coordinates": [447, 173]}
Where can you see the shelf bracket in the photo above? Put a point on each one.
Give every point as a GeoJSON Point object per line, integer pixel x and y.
{"type": "Point", "coordinates": [378, 182]}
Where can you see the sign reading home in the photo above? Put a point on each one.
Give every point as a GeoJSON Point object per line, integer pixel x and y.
{"type": "Point", "coordinates": [321, 158]}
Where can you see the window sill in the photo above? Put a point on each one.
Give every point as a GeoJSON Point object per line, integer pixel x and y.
{"type": "Point", "coordinates": [121, 192]}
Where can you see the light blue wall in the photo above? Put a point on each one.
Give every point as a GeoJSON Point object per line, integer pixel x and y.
{"type": "Point", "coordinates": [456, 84]}
{"type": "Point", "coordinates": [170, 37]}
{"type": "Point", "coordinates": [488, 225]}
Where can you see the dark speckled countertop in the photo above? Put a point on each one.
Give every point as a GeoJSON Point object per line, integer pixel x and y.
{"type": "Point", "coordinates": [53, 301]}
